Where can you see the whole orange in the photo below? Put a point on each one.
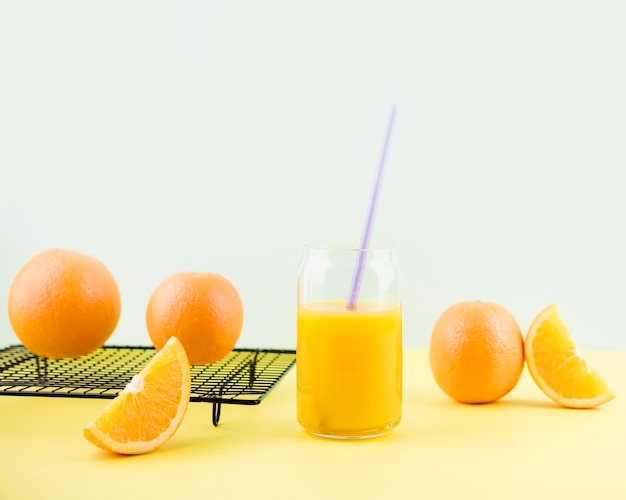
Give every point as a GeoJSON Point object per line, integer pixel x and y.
{"type": "Point", "coordinates": [63, 304]}
{"type": "Point", "coordinates": [203, 310]}
{"type": "Point", "coordinates": [476, 352]}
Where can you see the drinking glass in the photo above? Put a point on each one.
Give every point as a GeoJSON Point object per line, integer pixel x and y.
{"type": "Point", "coordinates": [349, 357]}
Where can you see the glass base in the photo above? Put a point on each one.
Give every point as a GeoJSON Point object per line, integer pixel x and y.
{"type": "Point", "coordinates": [352, 434]}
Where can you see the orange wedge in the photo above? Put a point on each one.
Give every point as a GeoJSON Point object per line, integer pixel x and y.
{"type": "Point", "coordinates": [150, 408]}
{"type": "Point", "coordinates": [558, 368]}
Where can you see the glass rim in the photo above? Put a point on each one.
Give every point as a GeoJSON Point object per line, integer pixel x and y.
{"type": "Point", "coordinates": [349, 246]}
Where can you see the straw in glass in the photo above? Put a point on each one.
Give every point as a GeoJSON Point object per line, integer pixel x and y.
{"type": "Point", "coordinates": [369, 219]}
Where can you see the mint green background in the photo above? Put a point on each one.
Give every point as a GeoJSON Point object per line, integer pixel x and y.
{"type": "Point", "coordinates": [223, 136]}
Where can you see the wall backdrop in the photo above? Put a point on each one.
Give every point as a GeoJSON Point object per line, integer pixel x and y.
{"type": "Point", "coordinates": [162, 136]}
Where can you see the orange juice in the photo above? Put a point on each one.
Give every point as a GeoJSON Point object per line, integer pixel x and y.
{"type": "Point", "coordinates": [349, 368]}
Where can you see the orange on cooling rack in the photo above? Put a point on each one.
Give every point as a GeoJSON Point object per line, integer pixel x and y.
{"type": "Point", "coordinates": [63, 304]}
{"type": "Point", "coordinates": [203, 310]}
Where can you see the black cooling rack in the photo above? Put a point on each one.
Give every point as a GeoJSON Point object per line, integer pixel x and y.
{"type": "Point", "coordinates": [243, 377]}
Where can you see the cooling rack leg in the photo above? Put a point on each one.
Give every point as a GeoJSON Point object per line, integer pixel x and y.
{"type": "Point", "coordinates": [253, 367]}
{"type": "Point", "coordinates": [42, 369]}
{"type": "Point", "coordinates": [217, 411]}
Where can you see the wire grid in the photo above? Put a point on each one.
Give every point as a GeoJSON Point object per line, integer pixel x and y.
{"type": "Point", "coordinates": [245, 376]}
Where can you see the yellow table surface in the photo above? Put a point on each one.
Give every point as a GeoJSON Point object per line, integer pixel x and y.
{"type": "Point", "coordinates": [523, 446]}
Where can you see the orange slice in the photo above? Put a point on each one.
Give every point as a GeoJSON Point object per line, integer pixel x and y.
{"type": "Point", "coordinates": [150, 408]}
{"type": "Point", "coordinates": [558, 368]}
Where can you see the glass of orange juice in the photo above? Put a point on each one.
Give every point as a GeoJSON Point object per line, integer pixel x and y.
{"type": "Point", "coordinates": [349, 354]}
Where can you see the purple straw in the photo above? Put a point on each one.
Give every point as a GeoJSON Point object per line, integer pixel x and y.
{"type": "Point", "coordinates": [369, 220]}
